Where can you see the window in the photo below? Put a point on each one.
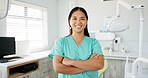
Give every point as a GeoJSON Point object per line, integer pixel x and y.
{"type": "Point", "coordinates": [28, 22]}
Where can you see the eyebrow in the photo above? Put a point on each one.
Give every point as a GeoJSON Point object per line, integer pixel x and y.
{"type": "Point", "coordinates": [83, 17]}
{"type": "Point", "coordinates": [80, 17]}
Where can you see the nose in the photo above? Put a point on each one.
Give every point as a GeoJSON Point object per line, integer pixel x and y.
{"type": "Point", "coordinates": [78, 22]}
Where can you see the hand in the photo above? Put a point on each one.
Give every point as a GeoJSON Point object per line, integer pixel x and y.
{"type": "Point", "coordinates": [94, 55]}
{"type": "Point", "coordinates": [67, 61]}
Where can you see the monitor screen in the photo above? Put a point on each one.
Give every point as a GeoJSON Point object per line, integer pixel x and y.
{"type": "Point", "coordinates": [7, 46]}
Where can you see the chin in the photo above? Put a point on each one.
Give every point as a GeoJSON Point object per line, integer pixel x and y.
{"type": "Point", "coordinates": [80, 31]}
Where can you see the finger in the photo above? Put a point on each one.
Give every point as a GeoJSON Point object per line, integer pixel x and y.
{"type": "Point", "coordinates": [96, 55]}
{"type": "Point", "coordinates": [93, 55]}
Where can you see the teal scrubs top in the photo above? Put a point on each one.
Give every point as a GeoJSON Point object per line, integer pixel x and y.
{"type": "Point", "coordinates": [66, 47]}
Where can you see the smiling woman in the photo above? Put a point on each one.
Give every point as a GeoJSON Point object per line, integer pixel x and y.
{"type": "Point", "coordinates": [78, 55]}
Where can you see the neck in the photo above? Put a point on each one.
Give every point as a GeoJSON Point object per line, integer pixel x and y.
{"type": "Point", "coordinates": [78, 35]}
{"type": "Point", "coordinates": [78, 38]}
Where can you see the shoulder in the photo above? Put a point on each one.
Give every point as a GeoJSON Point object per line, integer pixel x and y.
{"type": "Point", "coordinates": [90, 39]}
{"type": "Point", "coordinates": [62, 39]}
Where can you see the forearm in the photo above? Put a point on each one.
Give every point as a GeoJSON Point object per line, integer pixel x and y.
{"type": "Point", "coordinates": [93, 63]}
{"type": "Point", "coordinates": [67, 69]}
{"type": "Point", "coordinates": [90, 64]}
{"type": "Point", "coordinates": [61, 68]}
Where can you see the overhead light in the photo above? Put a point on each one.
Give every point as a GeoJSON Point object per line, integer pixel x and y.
{"type": "Point", "coordinates": [118, 25]}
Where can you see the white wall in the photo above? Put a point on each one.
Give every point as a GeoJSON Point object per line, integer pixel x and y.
{"type": "Point", "coordinates": [2, 27]}
{"type": "Point", "coordinates": [97, 10]}
{"type": "Point", "coordinates": [63, 11]}
{"type": "Point", "coordinates": [52, 19]}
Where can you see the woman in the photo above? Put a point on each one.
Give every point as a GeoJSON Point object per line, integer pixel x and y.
{"type": "Point", "coordinates": [77, 55]}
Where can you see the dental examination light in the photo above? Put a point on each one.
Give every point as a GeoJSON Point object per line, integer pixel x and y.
{"type": "Point", "coordinates": [4, 6]}
{"type": "Point", "coordinates": [117, 24]}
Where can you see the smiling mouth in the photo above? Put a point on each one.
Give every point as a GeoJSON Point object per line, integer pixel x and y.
{"type": "Point", "coordinates": [78, 26]}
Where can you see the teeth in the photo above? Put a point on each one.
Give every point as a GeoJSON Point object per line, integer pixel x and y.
{"type": "Point", "coordinates": [78, 26]}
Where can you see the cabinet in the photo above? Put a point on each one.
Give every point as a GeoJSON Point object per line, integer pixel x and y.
{"type": "Point", "coordinates": [115, 69]}
{"type": "Point", "coordinates": [44, 70]}
{"type": "Point", "coordinates": [21, 69]}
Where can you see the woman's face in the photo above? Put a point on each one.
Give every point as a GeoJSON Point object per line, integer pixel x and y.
{"type": "Point", "coordinates": [78, 21]}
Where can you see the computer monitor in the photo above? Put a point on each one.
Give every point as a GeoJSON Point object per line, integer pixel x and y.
{"type": "Point", "coordinates": [7, 46]}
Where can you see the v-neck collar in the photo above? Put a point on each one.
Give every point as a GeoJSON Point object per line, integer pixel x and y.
{"type": "Point", "coordinates": [75, 42]}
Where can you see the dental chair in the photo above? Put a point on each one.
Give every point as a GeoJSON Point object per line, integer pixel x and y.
{"type": "Point", "coordinates": [101, 71]}
{"type": "Point", "coordinates": [132, 68]}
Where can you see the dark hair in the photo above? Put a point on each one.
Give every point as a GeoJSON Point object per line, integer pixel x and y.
{"type": "Point", "coordinates": [70, 14]}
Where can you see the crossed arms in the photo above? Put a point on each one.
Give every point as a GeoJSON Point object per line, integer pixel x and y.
{"type": "Point", "coordinates": [69, 66]}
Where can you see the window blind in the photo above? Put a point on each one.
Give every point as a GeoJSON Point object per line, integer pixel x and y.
{"type": "Point", "coordinates": [28, 23]}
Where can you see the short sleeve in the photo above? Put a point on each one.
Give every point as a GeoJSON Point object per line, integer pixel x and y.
{"type": "Point", "coordinates": [57, 49]}
{"type": "Point", "coordinates": [96, 46]}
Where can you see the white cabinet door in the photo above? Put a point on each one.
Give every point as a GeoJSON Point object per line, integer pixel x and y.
{"type": "Point", "coordinates": [52, 73]}
{"type": "Point", "coordinates": [115, 69]}
{"type": "Point", "coordinates": [46, 69]}
{"type": "Point", "coordinates": [43, 68]}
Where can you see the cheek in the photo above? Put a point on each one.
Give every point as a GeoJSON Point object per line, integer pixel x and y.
{"type": "Point", "coordinates": [85, 23]}
{"type": "Point", "coordinates": [72, 23]}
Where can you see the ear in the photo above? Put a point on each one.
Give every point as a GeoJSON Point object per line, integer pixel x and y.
{"type": "Point", "coordinates": [86, 23]}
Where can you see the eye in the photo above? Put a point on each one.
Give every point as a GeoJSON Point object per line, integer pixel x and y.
{"type": "Point", "coordinates": [74, 18]}
{"type": "Point", "coordinates": [83, 18]}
